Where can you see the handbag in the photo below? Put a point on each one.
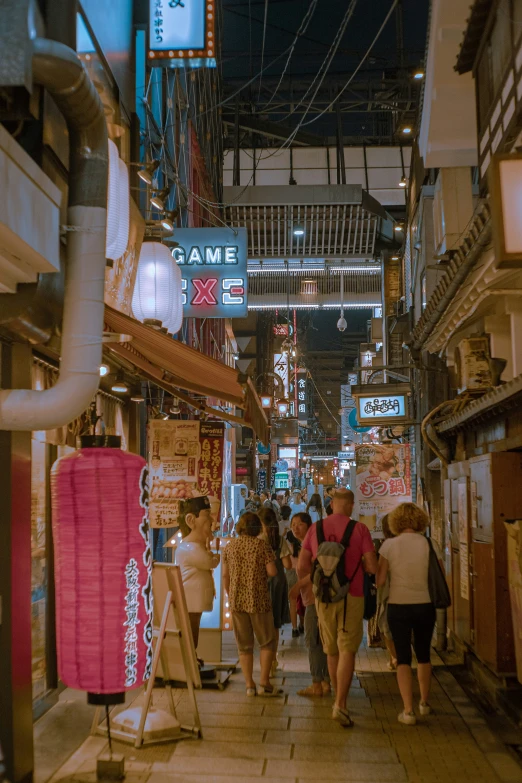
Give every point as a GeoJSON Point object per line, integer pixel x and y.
{"type": "Point", "coordinates": [437, 585]}
{"type": "Point", "coordinates": [370, 596]}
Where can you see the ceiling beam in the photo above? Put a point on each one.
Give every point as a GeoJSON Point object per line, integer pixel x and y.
{"type": "Point", "coordinates": [274, 130]}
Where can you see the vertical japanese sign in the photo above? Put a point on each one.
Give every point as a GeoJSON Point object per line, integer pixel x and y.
{"type": "Point", "coordinates": [302, 395]}
{"type": "Point", "coordinates": [210, 467]}
{"type": "Point", "coordinates": [182, 32]}
{"type": "Point", "coordinates": [261, 480]}
{"type": "Point", "coordinates": [383, 480]}
{"type": "Point", "coordinates": [282, 369]}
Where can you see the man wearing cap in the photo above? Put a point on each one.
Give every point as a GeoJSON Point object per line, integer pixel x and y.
{"type": "Point", "coordinates": [195, 559]}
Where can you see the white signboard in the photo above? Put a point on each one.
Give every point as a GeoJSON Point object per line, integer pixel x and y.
{"type": "Point", "coordinates": [383, 406]}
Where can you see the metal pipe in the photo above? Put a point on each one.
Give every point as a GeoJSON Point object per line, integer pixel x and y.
{"type": "Point", "coordinates": [61, 72]}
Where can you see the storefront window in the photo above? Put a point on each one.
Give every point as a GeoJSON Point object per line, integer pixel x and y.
{"type": "Point", "coordinates": [39, 584]}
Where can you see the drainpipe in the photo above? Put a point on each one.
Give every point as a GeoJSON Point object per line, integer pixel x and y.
{"type": "Point", "coordinates": [60, 71]}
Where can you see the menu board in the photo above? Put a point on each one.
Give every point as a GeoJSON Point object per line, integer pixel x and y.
{"type": "Point", "coordinates": [186, 460]}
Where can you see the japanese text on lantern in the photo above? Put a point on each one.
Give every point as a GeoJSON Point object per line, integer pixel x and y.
{"type": "Point", "coordinates": [131, 611]}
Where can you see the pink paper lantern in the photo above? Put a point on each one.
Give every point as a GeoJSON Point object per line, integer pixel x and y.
{"type": "Point", "coordinates": [103, 570]}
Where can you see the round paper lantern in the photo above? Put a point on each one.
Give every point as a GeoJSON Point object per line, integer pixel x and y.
{"type": "Point", "coordinates": [103, 569]}
{"type": "Point", "coordinates": [113, 199]}
{"type": "Point", "coordinates": [176, 320]}
{"type": "Point", "coordinates": [157, 287]}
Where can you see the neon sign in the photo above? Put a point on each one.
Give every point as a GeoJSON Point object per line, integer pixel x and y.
{"type": "Point", "coordinates": [213, 264]}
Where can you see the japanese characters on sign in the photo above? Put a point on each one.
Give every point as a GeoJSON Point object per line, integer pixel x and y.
{"type": "Point", "coordinates": [302, 395]}
{"type": "Point", "coordinates": [381, 406]}
{"type": "Point", "coordinates": [213, 264]}
{"type": "Point", "coordinates": [182, 32]}
{"type": "Point", "coordinates": [281, 368]}
{"type": "Point", "coordinates": [186, 460]}
{"type": "Point", "coordinates": [383, 480]}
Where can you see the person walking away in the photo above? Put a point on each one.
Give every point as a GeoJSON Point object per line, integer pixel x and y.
{"type": "Point", "coordinates": [294, 545]}
{"type": "Point", "coordinates": [284, 521]}
{"type": "Point", "coordinates": [315, 508]}
{"type": "Point", "coordinates": [195, 559]}
{"type": "Point", "coordinates": [297, 504]}
{"type": "Point", "coordinates": [318, 661]}
{"type": "Point", "coordinates": [340, 621]}
{"type": "Point", "coordinates": [277, 584]}
{"type": "Point", "coordinates": [383, 594]}
{"type": "Point", "coordinates": [405, 559]}
{"type": "Point", "coordinates": [247, 563]}
{"type": "Point", "coordinates": [328, 496]}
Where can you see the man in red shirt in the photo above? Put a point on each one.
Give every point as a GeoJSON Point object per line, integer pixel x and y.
{"type": "Point", "coordinates": [342, 635]}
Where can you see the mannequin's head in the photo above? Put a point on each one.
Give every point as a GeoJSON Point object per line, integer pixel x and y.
{"type": "Point", "coordinates": [196, 517]}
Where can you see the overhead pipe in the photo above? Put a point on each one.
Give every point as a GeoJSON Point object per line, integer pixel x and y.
{"type": "Point", "coordinates": [60, 71]}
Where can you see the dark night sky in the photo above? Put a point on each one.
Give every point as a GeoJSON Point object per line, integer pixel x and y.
{"type": "Point", "coordinates": [284, 18]}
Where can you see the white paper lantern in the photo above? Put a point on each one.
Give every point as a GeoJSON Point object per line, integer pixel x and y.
{"type": "Point", "coordinates": [113, 199]}
{"type": "Point", "coordinates": [174, 325]}
{"type": "Point", "coordinates": [157, 287]}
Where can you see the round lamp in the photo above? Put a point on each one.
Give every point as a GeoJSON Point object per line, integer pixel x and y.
{"type": "Point", "coordinates": [176, 320]}
{"type": "Point", "coordinates": [157, 286]}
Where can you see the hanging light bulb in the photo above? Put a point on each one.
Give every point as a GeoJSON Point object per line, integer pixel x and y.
{"type": "Point", "coordinates": [147, 172]}
{"type": "Point", "coordinates": [157, 290]}
{"type": "Point", "coordinates": [341, 323]}
{"type": "Point", "coordinates": [104, 370]}
{"type": "Point", "coordinates": [402, 183]}
{"type": "Point", "coordinates": [119, 384]}
{"type": "Point", "coordinates": [167, 221]}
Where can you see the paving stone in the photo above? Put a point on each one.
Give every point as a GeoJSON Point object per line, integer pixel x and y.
{"type": "Point", "coordinates": [233, 750]}
{"type": "Point", "coordinates": [210, 766]}
{"type": "Point", "coordinates": [240, 722]}
{"type": "Point", "coordinates": [321, 739]}
{"type": "Point", "coordinates": [326, 770]}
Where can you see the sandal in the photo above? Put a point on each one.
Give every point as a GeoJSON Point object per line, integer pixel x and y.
{"type": "Point", "coordinates": [326, 688]}
{"type": "Point", "coordinates": [251, 691]}
{"type": "Point", "coordinates": [270, 690]}
{"type": "Point", "coordinates": [311, 691]}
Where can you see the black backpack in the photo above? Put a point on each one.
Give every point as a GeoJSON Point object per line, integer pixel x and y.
{"type": "Point", "coordinates": [329, 581]}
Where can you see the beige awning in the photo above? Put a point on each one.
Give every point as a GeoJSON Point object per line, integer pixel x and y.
{"type": "Point", "coordinates": [177, 367]}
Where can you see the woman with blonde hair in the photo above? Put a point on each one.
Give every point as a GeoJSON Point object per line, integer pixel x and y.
{"type": "Point", "coordinates": [405, 559]}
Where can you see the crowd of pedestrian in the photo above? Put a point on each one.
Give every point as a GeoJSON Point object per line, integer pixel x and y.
{"type": "Point", "coordinates": [308, 563]}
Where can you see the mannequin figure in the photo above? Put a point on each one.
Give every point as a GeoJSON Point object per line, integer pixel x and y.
{"type": "Point", "coordinates": [195, 559]}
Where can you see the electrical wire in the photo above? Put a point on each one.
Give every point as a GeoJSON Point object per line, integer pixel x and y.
{"type": "Point", "coordinates": [303, 27]}
{"type": "Point", "coordinates": [354, 74]}
{"type": "Point", "coordinates": [262, 50]}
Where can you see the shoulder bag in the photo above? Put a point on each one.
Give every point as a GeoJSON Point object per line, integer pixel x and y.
{"type": "Point", "coordinates": [437, 585]}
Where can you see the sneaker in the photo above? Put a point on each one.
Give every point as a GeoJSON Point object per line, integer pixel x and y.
{"type": "Point", "coordinates": [295, 633]}
{"type": "Point", "coordinates": [408, 718]}
{"type": "Point", "coordinates": [301, 629]}
{"type": "Point", "coordinates": [342, 717]}
{"type": "Point", "coordinates": [424, 708]}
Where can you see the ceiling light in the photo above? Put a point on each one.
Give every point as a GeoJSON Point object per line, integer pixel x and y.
{"type": "Point", "coordinates": [402, 183]}
{"type": "Point", "coordinates": [146, 173]}
{"type": "Point", "coordinates": [104, 370]}
{"type": "Point", "coordinates": [395, 258]}
{"type": "Point", "coordinates": [298, 231]}
{"type": "Point", "coordinates": [119, 384]}
{"type": "Point", "coordinates": [407, 129]}
{"type": "Point", "coordinates": [175, 409]}
{"type": "Point", "coordinates": [158, 200]}
{"type": "Point", "coordinates": [418, 75]}
{"type": "Point", "coordinates": [138, 398]}
{"type": "Point", "coordinates": [398, 228]}
{"type": "Point", "coordinates": [235, 356]}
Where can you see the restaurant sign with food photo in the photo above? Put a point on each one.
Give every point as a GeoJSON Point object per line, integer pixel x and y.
{"type": "Point", "coordinates": [185, 460]}
{"type": "Point", "coordinates": [383, 480]}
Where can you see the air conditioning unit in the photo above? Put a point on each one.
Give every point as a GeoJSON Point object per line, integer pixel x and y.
{"type": "Point", "coordinates": [473, 365]}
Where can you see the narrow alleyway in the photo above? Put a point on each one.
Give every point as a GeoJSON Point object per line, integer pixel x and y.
{"type": "Point", "coordinates": [294, 740]}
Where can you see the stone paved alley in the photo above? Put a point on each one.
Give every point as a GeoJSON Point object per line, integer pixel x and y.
{"type": "Point", "coordinates": [293, 740]}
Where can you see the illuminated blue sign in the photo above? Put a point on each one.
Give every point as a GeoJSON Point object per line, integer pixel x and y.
{"type": "Point", "coordinates": [213, 264]}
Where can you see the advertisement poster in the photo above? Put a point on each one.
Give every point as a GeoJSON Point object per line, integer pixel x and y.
{"type": "Point", "coordinates": [383, 480]}
{"type": "Point", "coordinates": [185, 460]}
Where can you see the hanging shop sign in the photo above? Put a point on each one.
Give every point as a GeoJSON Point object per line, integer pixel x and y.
{"type": "Point", "coordinates": [282, 369]}
{"type": "Point", "coordinates": [381, 403]}
{"type": "Point", "coordinates": [302, 395]}
{"type": "Point", "coordinates": [186, 460]}
{"type": "Point", "coordinates": [263, 449]}
{"type": "Point", "coordinates": [261, 481]}
{"type": "Point", "coordinates": [383, 480]}
{"type": "Point", "coordinates": [213, 264]}
{"type": "Point", "coordinates": [182, 33]}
